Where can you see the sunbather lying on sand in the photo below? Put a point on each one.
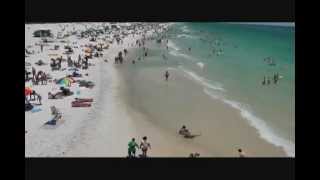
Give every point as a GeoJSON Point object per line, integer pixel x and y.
{"type": "Point", "coordinates": [57, 95]}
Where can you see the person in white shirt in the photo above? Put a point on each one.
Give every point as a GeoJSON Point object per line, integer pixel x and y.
{"type": "Point", "coordinates": [144, 146]}
{"type": "Point", "coordinates": [241, 153]}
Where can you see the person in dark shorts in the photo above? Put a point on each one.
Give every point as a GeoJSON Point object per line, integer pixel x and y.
{"type": "Point", "coordinates": [132, 145]}
{"type": "Point", "coordinates": [264, 80]}
{"type": "Point", "coordinates": [167, 75]}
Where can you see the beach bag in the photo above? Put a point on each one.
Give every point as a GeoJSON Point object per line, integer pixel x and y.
{"type": "Point", "coordinates": [28, 107]}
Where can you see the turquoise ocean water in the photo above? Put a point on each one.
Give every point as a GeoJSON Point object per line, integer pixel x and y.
{"type": "Point", "coordinates": [228, 61]}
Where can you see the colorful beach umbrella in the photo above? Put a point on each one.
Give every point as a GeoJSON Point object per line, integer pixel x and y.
{"type": "Point", "coordinates": [27, 91]}
{"type": "Point", "coordinates": [66, 81]}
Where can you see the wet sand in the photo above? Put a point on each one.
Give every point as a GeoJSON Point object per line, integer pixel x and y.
{"type": "Point", "coordinates": [151, 101]}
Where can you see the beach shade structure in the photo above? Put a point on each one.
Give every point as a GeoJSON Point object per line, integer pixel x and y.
{"type": "Point", "coordinates": [27, 91]}
{"type": "Point", "coordinates": [42, 33]}
{"type": "Point", "coordinates": [66, 81]}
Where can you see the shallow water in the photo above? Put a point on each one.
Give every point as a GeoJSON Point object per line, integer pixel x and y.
{"type": "Point", "coordinates": [234, 76]}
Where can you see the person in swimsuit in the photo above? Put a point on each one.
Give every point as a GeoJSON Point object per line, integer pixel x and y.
{"type": "Point", "coordinates": [167, 75]}
{"type": "Point", "coordinates": [184, 130]}
{"type": "Point", "coordinates": [241, 153]}
{"type": "Point", "coordinates": [264, 80]}
{"type": "Point", "coordinates": [144, 146]}
{"type": "Point", "coordinates": [186, 133]}
{"type": "Point", "coordinates": [132, 145]}
{"type": "Point", "coordinates": [268, 80]}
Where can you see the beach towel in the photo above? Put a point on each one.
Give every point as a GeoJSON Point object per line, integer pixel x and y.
{"type": "Point", "coordinates": [80, 104]}
{"type": "Point", "coordinates": [51, 122]}
{"type": "Point", "coordinates": [34, 110]}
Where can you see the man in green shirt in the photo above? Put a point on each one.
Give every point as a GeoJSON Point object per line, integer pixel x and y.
{"type": "Point", "coordinates": [132, 148]}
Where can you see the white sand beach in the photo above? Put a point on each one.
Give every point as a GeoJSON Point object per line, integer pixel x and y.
{"type": "Point", "coordinates": [105, 128]}
{"type": "Point", "coordinates": [102, 130]}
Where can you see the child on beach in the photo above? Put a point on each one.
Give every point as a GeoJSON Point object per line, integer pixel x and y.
{"type": "Point", "coordinates": [132, 148]}
{"type": "Point", "coordinates": [241, 153]}
{"type": "Point", "coordinates": [144, 146]}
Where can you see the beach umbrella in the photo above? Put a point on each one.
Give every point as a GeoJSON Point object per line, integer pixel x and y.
{"type": "Point", "coordinates": [73, 69]}
{"type": "Point", "coordinates": [70, 79]}
{"type": "Point", "coordinates": [27, 91]}
{"type": "Point", "coordinates": [64, 83]}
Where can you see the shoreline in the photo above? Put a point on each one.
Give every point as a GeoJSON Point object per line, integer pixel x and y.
{"type": "Point", "coordinates": [105, 129]}
{"type": "Point", "coordinates": [253, 135]}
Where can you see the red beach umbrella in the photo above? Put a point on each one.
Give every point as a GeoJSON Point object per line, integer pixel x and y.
{"type": "Point", "coordinates": [27, 91]}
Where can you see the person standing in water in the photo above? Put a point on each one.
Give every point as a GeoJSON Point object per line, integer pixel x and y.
{"type": "Point", "coordinates": [264, 80]}
{"type": "Point", "coordinates": [167, 75]}
{"type": "Point", "coordinates": [276, 78]}
{"type": "Point", "coordinates": [268, 80]}
{"type": "Point", "coordinates": [144, 146]}
{"type": "Point", "coordinates": [132, 145]}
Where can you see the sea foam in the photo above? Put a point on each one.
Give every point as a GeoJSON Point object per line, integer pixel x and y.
{"type": "Point", "coordinates": [200, 64]}
{"type": "Point", "coordinates": [203, 81]}
{"type": "Point", "coordinates": [185, 36]}
{"type": "Point", "coordinates": [263, 129]}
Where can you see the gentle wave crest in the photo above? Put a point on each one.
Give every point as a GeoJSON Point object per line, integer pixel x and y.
{"type": "Point", "coordinates": [264, 131]}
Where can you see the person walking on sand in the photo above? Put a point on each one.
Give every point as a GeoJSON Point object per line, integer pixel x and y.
{"type": "Point", "coordinates": [41, 47]}
{"type": "Point", "coordinates": [167, 75]}
{"type": "Point", "coordinates": [144, 146]}
{"type": "Point", "coordinates": [132, 145]}
{"type": "Point", "coordinates": [241, 153]}
{"type": "Point", "coordinates": [33, 72]}
{"type": "Point", "coordinates": [39, 98]}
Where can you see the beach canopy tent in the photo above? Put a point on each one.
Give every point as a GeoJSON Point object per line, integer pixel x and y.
{"type": "Point", "coordinates": [42, 33]}
{"type": "Point", "coordinates": [27, 91]}
{"type": "Point", "coordinates": [66, 81]}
